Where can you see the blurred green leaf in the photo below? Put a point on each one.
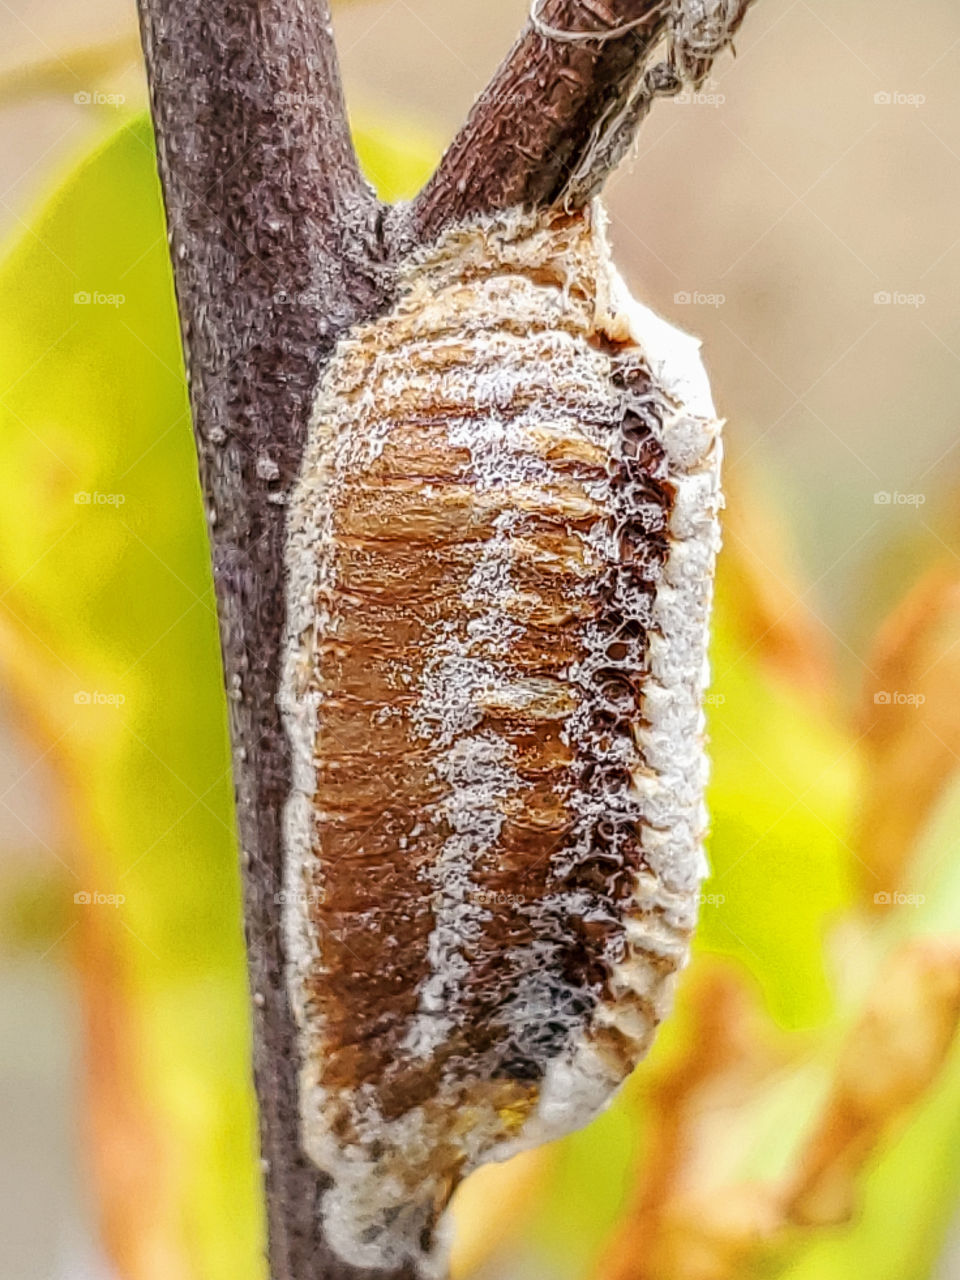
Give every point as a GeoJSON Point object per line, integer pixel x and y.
{"type": "Point", "coordinates": [107, 629]}
{"type": "Point", "coordinates": [399, 160]}
{"type": "Point", "coordinates": [106, 569]}
{"type": "Point", "coordinates": [107, 617]}
{"type": "Point", "coordinates": [780, 800]}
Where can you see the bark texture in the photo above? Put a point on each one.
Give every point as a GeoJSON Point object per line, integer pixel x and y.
{"type": "Point", "coordinates": [551, 124]}
{"type": "Point", "coordinates": [278, 246]}
{"type": "Point", "coordinates": [561, 113]}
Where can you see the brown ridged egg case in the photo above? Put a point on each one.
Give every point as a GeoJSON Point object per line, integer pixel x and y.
{"type": "Point", "coordinates": [500, 563]}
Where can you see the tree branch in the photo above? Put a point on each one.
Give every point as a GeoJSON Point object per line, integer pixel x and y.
{"type": "Point", "coordinates": [540, 114]}
{"type": "Point", "coordinates": [276, 247]}
{"type": "Point", "coordinates": [559, 115]}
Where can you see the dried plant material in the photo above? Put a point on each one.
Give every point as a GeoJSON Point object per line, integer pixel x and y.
{"type": "Point", "coordinates": [511, 1187]}
{"type": "Point", "coordinates": [698, 30]}
{"type": "Point", "coordinates": [701, 29]}
{"type": "Point", "coordinates": [692, 1218]}
{"type": "Point", "coordinates": [682, 39]}
{"type": "Point", "coordinates": [723, 1235]}
{"type": "Point", "coordinates": [911, 725]}
{"type": "Point", "coordinates": [766, 604]}
{"type": "Point", "coordinates": [132, 1161]}
{"type": "Point", "coordinates": [500, 567]}
{"type": "Point", "coordinates": [684, 1215]}
{"type": "Point", "coordinates": [892, 1057]}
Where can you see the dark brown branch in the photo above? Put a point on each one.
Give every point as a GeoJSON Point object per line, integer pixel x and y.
{"type": "Point", "coordinates": [559, 115]}
{"type": "Point", "coordinates": [539, 118]}
{"type": "Point", "coordinates": [276, 248]}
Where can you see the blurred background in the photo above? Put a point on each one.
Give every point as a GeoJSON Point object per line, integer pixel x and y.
{"type": "Point", "coordinates": [800, 1116]}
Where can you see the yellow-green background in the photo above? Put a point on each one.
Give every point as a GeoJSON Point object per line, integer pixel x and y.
{"type": "Point", "coordinates": [791, 192]}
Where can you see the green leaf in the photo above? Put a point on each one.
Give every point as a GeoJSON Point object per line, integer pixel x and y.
{"type": "Point", "coordinates": [106, 566]}
{"type": "Point", "coordinates": [108, 622]}
{"type": "Point", "coordinates": [780, 800]}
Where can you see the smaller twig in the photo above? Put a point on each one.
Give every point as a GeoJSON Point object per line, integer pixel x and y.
{"type": "Point", "coordinates": [565, 105]}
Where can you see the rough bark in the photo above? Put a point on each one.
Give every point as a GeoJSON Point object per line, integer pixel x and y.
{"type": "Point", "coordinates": [278, 246]}
{"type": "Point", "coordinates": [552, 122]}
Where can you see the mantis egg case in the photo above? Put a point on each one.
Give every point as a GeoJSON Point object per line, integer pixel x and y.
{"type": "Point", "coordinates": [499, 562]}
